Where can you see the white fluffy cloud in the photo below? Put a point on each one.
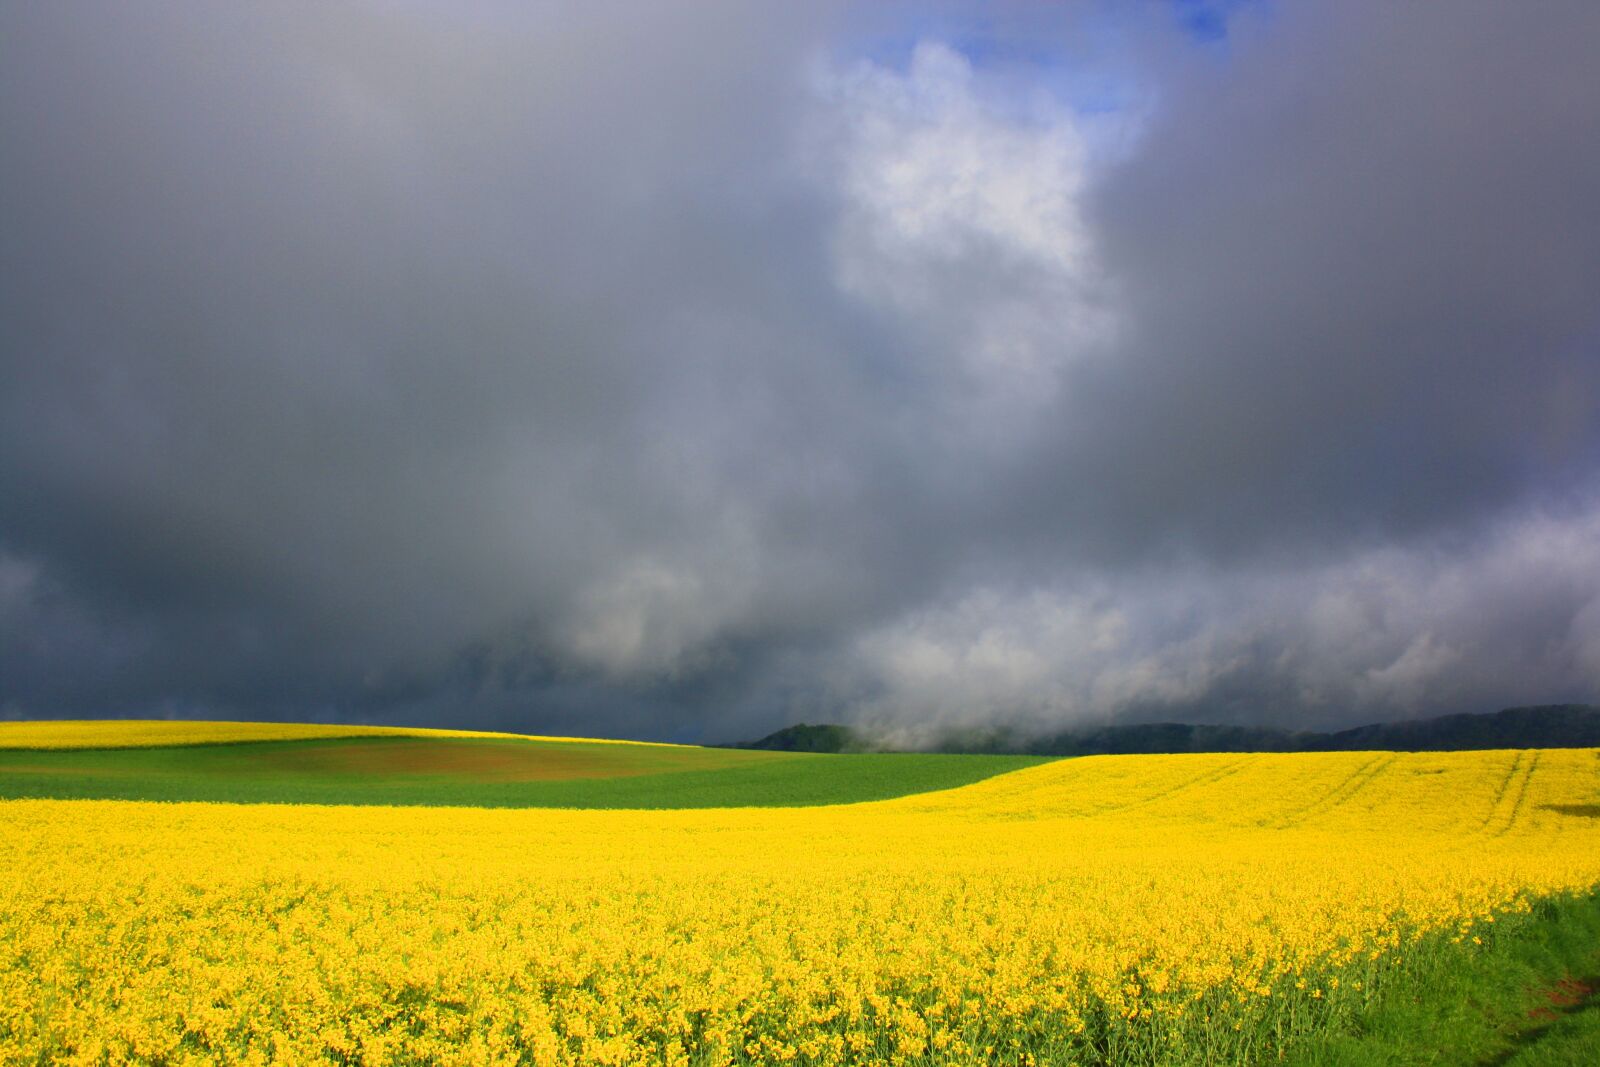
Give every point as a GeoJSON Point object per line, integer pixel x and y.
{"type": "Point", "coordinates": [961, 220]}
{"type": "Point", "coordinates": [1509, 617]}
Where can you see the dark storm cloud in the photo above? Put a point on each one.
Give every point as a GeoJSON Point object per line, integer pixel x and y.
{"type": "Point", "coordinates": [1360, 260]}
{"type": "Point", "coordinates": [681, 372]}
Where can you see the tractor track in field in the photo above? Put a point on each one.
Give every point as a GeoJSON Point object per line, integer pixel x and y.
{"type": "Point", "coordinates": [1208, 778]}
{"type": "Point", "coordinates": [1341, 793]}
{"type": "Point", "coordinates": [1516, 792]}
{"type": "Point", "coordinates": [1501, 793]}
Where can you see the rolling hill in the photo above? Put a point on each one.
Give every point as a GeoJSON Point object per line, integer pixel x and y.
{"type": "Point", "coordinates": [275, 763]}
{"type": "Point", "coordinates": [1544, 726]}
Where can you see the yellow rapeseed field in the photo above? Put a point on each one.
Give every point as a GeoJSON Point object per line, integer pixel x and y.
{"type": "Point", "coordinates": [1109, 908]}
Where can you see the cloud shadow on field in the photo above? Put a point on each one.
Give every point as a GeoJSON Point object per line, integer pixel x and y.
{"type": "Point", "coordinates": [1583, 811]}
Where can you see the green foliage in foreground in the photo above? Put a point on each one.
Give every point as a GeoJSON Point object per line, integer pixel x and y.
{"type": "Point", "coordinates": [1529, 998]}
{"type": "Point", "coordinates": [1442, 1000]}
{"type": "Point", "coordinates": [303, 772]}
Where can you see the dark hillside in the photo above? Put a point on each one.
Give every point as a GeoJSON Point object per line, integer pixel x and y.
{"type": "Point", "coordinates": [806, 738]}
{"type": "Point", "coordinates": [1546, 726]}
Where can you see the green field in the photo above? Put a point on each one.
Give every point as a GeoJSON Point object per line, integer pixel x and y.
{"type": "Point", "coordinates": [483, 773]}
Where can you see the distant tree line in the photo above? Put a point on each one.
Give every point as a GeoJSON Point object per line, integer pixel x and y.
{"type": "Point", "coordinates": [1544, 726]}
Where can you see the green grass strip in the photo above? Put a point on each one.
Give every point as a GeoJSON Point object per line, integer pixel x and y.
{"type": "Point", "coordinates": [303, 772]}
{"type": "Point", "coordinates": [1529, 997]}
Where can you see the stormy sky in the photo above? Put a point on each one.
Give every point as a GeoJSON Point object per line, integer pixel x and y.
{"type": "Point", "coordinates": [681, 371]}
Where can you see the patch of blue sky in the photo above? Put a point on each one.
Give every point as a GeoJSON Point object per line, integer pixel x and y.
{"type": "Point", "coordinates": [1082, 58]}
{"type": "Point", "coordinates": [1072, 58]}
{"type": "Point", "coordinates": [1078, 54]}
{"type": "Point", "coordinates": [1209, 22]}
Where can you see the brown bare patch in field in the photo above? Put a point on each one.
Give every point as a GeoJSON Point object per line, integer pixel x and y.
{"type": "Point", "coordinates": [487, 761]}
{"type": "Point", "coordinates": [1562, 997]}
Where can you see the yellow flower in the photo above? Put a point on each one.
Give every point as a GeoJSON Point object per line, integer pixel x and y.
{"type": "Point", "coordinates": [1154, 893]}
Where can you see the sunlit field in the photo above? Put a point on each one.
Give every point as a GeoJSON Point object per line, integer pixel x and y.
{"type": "Point", "coordinates": [1129, 909]}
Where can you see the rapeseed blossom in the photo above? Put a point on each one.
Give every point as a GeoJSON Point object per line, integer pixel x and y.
{"type": "Point", "coordinates": [1106, 908]}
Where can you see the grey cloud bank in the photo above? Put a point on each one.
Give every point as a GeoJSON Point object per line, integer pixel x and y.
{"type": "Point", "coordinates": [685, 373]}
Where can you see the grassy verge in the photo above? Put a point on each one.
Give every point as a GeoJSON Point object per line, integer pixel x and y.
{"type": "Point", "coordinates": [519, 774]}
{"type": "Point", "coordinates": [1529, 996]}
{"type": "Point", "coordinates": [1521, 990]}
